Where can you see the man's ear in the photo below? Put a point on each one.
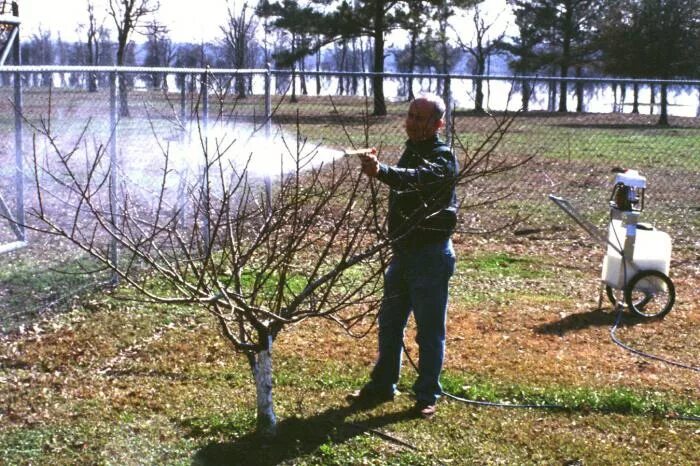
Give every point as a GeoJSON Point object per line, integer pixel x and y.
{"type": "Point", "coordinates": [439, 124]}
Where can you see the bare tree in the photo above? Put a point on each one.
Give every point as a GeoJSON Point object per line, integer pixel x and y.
{"type": "Point", "coordinates": [159, 51]}
{"type": "Point", "coordinates": [316, 247]}
{"type": "Point", "coordinates": [39, 50]}
{"type": "Point", "coordinates": [239, 40]}
{"type": "Point", "coordinates": [127, 16]}
{"type": "Point", "coordinates": [481, 47]}
{"type": "Point", "coordinates": [94, 32]}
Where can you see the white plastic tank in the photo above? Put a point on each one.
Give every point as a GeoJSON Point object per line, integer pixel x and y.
{"type": "Point", "coordinates": [652, 251]}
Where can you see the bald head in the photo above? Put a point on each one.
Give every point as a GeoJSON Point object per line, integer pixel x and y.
{"type": "Point", "coordinates": [437, 103]}
{"type": "Point", "coordinates": [425, 117]}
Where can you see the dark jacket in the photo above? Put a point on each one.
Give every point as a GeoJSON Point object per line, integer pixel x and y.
{"type": "Point", "coordinates": [422, 201]}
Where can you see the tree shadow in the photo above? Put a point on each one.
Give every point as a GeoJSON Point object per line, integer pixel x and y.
{"type": "Point", "coordinates": [296, 437]}
{"type": "Point", "coordinates": [598, 317]}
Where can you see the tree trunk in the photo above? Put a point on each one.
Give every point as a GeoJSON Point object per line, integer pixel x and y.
{"type": "Point", "coordinates": [318, 75]}
{"type": "Point", "coordinates": [623, 97]}
{"type": "Point", "coordinates": [123, 90]}
{"type": "Point", "coordinates": [341, 78]}
{"type": "Point", "coordinates": [302, 77]}
{"type": "Point", "coordinates": [412, 63]}
{"type": "Point", "coordinates": [479, 70]}
{"type": "Point", "coordinates": [479, 99]}
{"type": "Point", "coordinates": [377, 78]}
{"type": "Point", "coordinates": [526, 92]}
{"type": "Point", "coordinates": [569, 27]}
{"type": "Point", "coordinates": [635, 103]}
{"type": "Point", "coordinates": [663, 117]}
{"type": "Point", "coordinates": [261, 366]}
{"type": "Point", "coordinates": [563, 89]}
{"type": "Point", "coordinates": [294, 71]}
{"type": "Point", "coordinates": [364, 69]}
{"type": "Point", "coordinates": [92, 61]}
{"type": "Point", "coordinates": [579, 91]}
{"type": "Point", "coordinates": [551, 105]}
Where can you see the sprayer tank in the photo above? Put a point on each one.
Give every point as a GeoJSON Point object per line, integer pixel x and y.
{"type": "Point", "coordinates": [652, 251]}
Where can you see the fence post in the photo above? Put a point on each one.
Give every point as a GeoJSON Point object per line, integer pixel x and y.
{"type": "Point", "coordinates": [268, 129]}
{"type": "Point", "coordinates": [448, 110]}
{"type": "Point", "coordinates": [183, 99]}
{"type": "Point", "coordinates": [19, 161]}
{"type": "Point", "coordinates": [205, 98]}
{"type": "Point", "coordinates": [113, 166]}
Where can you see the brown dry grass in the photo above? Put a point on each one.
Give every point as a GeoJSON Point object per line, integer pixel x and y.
{"type": "Point", "coordinates": [530, 335]}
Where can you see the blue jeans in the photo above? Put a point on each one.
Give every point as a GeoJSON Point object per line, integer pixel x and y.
{"type": "Point", "coordinates": [416, 280]}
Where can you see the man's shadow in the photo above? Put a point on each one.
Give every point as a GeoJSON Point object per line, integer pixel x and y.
{"type": "Point", "coordinates": [295, 437]}
{"type": "Point", "coordinates": [598, 317]}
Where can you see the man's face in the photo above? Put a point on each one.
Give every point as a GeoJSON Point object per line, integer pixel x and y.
{"type": "Point", "coordinates": [421, 122]}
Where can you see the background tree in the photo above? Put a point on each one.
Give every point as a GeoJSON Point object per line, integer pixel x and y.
{"type": "Point", "coordinates": [341, 22]}
{"type": "Point", "coordinates": [655, 39]}
{"type": "Point", "coordinates": [301, 26]}
{"type": "Point", "coordinates": [240, 43]}
{"type": "Point", "coordinates": [481, 47]}
{"type": "Point", "coordinates": [159, 51]}
{"type": "Point", "coordinates": [568, 29]}
{"type": "Point", "coordinates": [523, 58]}
{"type": "Point", "coordinates": [412, 20]}
{"type": "Point", "coordinates": [190, 55]}
{"type": "Point", "coordinates": [39, 50]}
{"type": "Point", "coordinates": [128, 16]}
{"type": "Point", "coordinates": [94, 31]}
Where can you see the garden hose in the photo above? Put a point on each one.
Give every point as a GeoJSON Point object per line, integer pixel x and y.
{"type": "Point", "coordinates": [485, 403]}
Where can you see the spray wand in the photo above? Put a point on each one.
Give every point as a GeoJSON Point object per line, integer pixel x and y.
{"type": "Point", "coordinates": [360, 152]}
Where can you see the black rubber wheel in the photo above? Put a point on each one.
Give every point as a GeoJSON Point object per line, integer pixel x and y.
{"type": "Point", "coordinates": [650, 293]}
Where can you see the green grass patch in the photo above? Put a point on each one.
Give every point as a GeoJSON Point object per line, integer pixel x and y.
{"type": "Point", "coordinates": [502, 278]}
{"type": "Point", "coordinates": [503, 265]}
{"type": "Point", "coordinates": [578, 399]}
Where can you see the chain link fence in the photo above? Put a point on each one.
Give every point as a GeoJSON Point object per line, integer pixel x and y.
{"type": "Point", "coordinates": [137, 114]}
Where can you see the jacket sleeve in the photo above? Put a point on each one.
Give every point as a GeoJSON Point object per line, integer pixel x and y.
{"type": "Point", "coordinates": [429, 173]}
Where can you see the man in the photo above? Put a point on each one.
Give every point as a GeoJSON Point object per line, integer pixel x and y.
{"type": "Point", "coordinates": [422, 216]}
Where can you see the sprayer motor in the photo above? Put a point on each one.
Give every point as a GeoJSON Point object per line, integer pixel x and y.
{"type": "Point", "coordinates": [628, 192]}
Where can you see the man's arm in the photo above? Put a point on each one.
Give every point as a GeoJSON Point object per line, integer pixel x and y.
{"type": "Point", "coordinates": [437, 170]}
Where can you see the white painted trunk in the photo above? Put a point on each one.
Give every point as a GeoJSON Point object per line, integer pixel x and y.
{"type": "Point", "coordinates": [266, 420]}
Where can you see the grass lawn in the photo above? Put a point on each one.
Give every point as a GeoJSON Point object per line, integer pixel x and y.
{"type": "Point", "coordinates": [120, 382]}
{"type": "Point", "coordinates": [95, 377]}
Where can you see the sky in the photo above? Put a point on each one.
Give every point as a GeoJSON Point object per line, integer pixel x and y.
{"type": "Point", "coordinates": [191, 21]}
{"type": "Point", "coordinates": [188, 21]}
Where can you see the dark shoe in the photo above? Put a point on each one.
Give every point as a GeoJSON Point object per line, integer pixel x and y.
{"type": "Point", "coordinates": [365, 397]}
{"type": "Point", "coordinates": [425, 410]}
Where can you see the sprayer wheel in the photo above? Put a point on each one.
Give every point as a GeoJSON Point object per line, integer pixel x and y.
{"type": "Point", "coordinates": [650, 293]}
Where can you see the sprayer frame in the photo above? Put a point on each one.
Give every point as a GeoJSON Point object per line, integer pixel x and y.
{"type": "Point", "coordinates": [630, 299]}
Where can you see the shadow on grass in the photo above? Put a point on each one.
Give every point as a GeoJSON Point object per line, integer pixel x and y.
{"type": "Point", "coordinates": [296, 437]}
{"type": "Point", "coordinates": [595, 318]}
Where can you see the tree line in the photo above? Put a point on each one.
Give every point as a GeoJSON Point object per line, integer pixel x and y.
{"type": "Point", "coordinates": [567, 38]}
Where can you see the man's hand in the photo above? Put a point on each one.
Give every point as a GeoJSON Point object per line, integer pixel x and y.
{"type": "Point", "coordinates": [370, 164]}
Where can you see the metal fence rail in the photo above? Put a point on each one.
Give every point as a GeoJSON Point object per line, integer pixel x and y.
{"type": "Point", "coordinates": [133, 109]}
